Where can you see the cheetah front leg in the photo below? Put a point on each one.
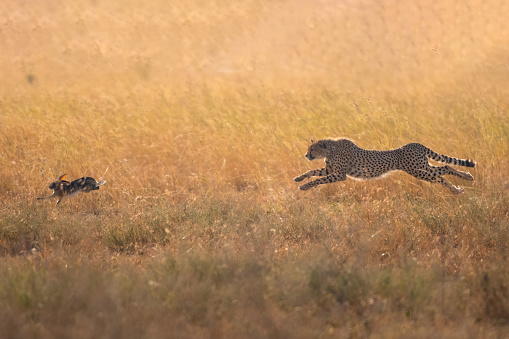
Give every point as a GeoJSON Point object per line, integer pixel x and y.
{"type": "Point", "coordinates": [324, 180]}
{"type": "Point", "coordinates": [313, 173]}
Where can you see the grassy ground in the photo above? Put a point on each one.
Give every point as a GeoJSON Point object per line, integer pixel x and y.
{"type": "Point", "coordinates": [198, 116]}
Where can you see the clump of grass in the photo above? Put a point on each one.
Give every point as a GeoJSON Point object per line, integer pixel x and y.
{"type": "Point", "coordinates": [22, 230]}
{"type": "Point", "coordinates": [492, 290]}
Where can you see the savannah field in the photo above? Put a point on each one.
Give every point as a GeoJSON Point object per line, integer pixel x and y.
{"type": "Point", "coordinates": [198, 114]}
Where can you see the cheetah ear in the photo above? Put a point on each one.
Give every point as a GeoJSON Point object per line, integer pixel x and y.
{"type": "Point", "coordinates": [321, 144]}
{"type": "Point", "coordinates": [62, 177]}
{"type": "Point", "coordinates": [312, 141]}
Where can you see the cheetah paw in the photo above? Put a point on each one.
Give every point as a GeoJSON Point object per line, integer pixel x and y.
{"type": "Point", "coordinates": [299, 178]}
{"type": "Point", "coordinates": [469, 176]}
{"type": "Point", "coordinates": [458, 190]}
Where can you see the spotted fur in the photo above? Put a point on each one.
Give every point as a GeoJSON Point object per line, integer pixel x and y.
{"type": "Point", "coordinates": [344, 158]}
{"type": "Point", "coordinates": [63, 188]}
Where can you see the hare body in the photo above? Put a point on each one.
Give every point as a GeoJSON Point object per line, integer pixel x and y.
{"type": "Point", "coordinates": [63, 188]}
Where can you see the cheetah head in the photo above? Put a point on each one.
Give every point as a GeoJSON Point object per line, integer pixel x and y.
{"type": "Point", "coordinates": [317, 150]}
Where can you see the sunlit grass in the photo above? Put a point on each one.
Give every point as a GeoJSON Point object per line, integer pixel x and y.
{"type": "Point", "coordinates": [198, 116]}
{"type": "Point", "coordinates": [206, 185]}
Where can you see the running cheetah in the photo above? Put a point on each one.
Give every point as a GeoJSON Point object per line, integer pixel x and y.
{"type": "Point", "coordinates": [344, 158]}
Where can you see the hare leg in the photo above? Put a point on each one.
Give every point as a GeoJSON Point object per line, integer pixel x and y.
{"type": "Point", "coordinates": [48, 197]}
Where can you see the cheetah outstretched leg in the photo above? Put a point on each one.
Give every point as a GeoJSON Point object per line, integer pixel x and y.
{"type": "Point", "coordinates": [447, 183]}
{"type": "Point", "coordinates": [324, 180]}
{"type": "Point", "coordinates": [433, 175]}
{"type": "Point", "coordinates": [313, 173]}
{"type": "Point", "coordinates": [444, 170]}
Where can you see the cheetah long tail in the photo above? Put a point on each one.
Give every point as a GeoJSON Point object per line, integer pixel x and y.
{"type": "Point", "coordinates": [449, 160]}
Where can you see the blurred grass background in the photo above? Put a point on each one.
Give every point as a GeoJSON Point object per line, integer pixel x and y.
{"type": "Point", "coordinates": [198, 114]}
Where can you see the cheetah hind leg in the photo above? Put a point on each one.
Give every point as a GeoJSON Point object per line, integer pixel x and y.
{"type": "Point", "coordinates": [447, 183]}
{"type": "Point", "coordinates": [426, 176]}
{"type": "Point", "coordinates": [437, 172]}
{"type": "Point", "coordinates": [462, 175]}
{"type": "Point", "coordinates": [445, 170]}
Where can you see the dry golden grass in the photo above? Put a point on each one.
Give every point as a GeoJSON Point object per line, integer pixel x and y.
{"type": "Point", "coordinates": [198, 115]}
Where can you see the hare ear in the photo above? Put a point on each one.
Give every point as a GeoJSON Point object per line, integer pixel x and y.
{"type": "Point", "coordinates": [62, 177]}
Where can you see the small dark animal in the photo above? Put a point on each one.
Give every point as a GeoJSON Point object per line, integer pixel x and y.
{"type": "Point", "coordinates": [63, 188]}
